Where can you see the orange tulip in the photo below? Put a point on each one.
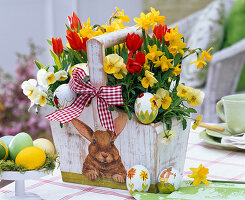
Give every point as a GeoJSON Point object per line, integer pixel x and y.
{"type": "Point", "coordinates": [74, 21]}
{"type": "Point", "coordinates": [57, 46]}
{"type": "Point", "coordinates": [160, 31]}
{"type": "Point", "coordinates": [76, 42]}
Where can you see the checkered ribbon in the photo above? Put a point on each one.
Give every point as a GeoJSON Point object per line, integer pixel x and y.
{"type": "Point", "coordinates": [106, 95]}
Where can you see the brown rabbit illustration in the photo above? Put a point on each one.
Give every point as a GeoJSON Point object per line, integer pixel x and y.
{"type": "Point", "coordinates": [103, 159]}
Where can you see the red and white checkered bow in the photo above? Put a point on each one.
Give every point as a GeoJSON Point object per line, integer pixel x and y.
{"type": "Point", "coordinates": [106, 95]}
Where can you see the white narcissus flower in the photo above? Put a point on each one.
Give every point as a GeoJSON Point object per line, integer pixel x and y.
{"type": "Point", "coordinates": [29, 87]}
{"type": "Point", "coordinates": [39, 97]}
{"type": "Point", "coordinates": [45, 78]}
{"type": "Point", "coordinates": [61, 75]}
{"type": "Point", "coordinates": [165, 137]}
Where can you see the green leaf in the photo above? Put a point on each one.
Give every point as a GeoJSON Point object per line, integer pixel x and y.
{"type": "Point", "coordinates": [78, 27]}
{"type": "Point", "coordinates": [191, 110]}
{"type": "Point", "coordinates": [96, 25]}
{"type": "Point", "coordinates": [177, 59]}
{"type": "Point", "coordinates": [55, 68]}
{"type": "Point", "coordinates": [39, 65]}
{"type": "Point", "coordinates": [50, 42]}
{"type": "Point", "coordinates": [111, 108]}
{"type": "Point", "coordinates": [68, 27]}
{"type": "Point", "coordinates": [56, 59]}
{"type": "Point", "coordinates": [184, 124]}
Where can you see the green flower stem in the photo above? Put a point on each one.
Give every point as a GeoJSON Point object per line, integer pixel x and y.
{"type": "Point", "coordinates": [145, 41]}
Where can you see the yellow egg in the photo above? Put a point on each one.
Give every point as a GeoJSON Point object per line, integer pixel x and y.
{"type": "Point", "coordinates": [31, 158]}
{"type": "Point", "coordinates": [45, 145]}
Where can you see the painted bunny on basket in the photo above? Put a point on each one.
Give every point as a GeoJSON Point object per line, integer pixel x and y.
{"type": "Point", "coordinates": [103, 159]}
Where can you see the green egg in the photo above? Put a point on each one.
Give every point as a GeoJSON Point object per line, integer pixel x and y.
{"type": "Point", "coordinates": [18, 143]}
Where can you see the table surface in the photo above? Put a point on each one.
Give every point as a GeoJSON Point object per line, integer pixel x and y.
{"type": "Point", "coordinates": [222, 164]}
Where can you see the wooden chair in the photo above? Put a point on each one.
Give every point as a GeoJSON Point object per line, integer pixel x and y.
{"type": "Point", "coordinates": [224, 69]}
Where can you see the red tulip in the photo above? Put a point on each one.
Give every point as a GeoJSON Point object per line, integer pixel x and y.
{"type": "Point", "coordinates": [133, 66]}
{"type": "Point", "coordinates": [140, 58]}
{"type": "Point", "coordinates": [74, 21]}
{"type": "Point", "coordinates": [76, 42]}
{"type": "Point", "coordinates": [57, 46]}
{"type": "Point", "coordinates": [160, 31]}
{"type": "Point", "coordinates": [133, 43]}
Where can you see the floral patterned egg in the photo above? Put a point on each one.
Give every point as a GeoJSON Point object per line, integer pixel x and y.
{"type": "Point", "coordinates": [169, 180]}
{"type": "Point", "coordinates": [145, 108]}
{"type": "Point", "coordinates": [64, 96]}
{"type": "Point", "coordinates": [138, 179]}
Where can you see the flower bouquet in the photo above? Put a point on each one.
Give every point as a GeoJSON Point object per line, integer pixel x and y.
{"type": "Point", "coordinates": [142, 86]}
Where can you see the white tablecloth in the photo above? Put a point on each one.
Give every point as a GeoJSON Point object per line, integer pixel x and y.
{"type": "Point", "coordinates": [222, 164]}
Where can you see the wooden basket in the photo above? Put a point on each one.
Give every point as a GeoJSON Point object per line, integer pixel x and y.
{"type": "Point", "coordinates": [137, 144]}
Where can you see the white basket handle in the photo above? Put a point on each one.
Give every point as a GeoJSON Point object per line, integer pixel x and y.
{"type": "Point", "coordinates": [96, 53]}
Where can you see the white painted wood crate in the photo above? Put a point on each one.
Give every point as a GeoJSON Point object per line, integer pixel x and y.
{"type": "Point", "coordinates": [138, 144]}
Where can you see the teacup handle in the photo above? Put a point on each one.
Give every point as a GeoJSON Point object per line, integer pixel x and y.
{"type": "Point", "coordinates": [219, 110]}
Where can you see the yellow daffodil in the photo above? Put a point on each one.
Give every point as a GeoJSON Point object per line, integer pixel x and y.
{"type": "Point", "coordinates": [96, 33]}
{"type": "Point", "coordinates": [114, 26]}
{"type": "Point", "coordinates": [195, 97]}
{"type": "Point", "coordinates": [144, 21]}
{"type": "Point", "coordinates": [165, 137]}
{"type": "Point", "coordinates": [200, 175]}
{"type": "Point", "coordinates": [123, 69]}
{"type": "Point", "coordinates": [176, 46]}
{"type": "Point", "coordinates": [146, 66]}
{"type": "Point", "coordinates": [113, 63]}
{"type": "Point", "coordinates": [182, 91]}
{"type": "Point", "coordinates": [197, 122]}
{"type": "Point", "coordinates": [173, 35]}
{"type": "Point", "coordinates": [206, 54]}
{"type": "Point", "coordinates": [148, 80]}
{"type": "Point", "coordinates": [162, 98]}
{"type": "Point", "coordinates": [121, 15]}
{"type": "Point", "coordinates": [177, 71]}
{"type": "Point", "coordinates": [200, 61]}
{"type": "Point", "coordinates": [156, 18]}
{"type": "Point", "coordinates": [153, 53]}
{"type": "Point", "coordinates": [164, 63]}
{"type": "Point", "coordinates": [86, 30]}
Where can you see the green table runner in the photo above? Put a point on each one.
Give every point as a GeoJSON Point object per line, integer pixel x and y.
{"type": "Point", "coordinates": [216, 191]}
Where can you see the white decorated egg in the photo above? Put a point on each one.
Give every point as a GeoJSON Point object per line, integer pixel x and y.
{"type": "Point", "coordinates": [64, 96]}
{"type": "Point", "coordinates": [169, 180]}
{"type": "Point", "coordinates": [45, 145]}
{"type": "Point", "coordinates": [83, 66]}
{"type": "Point", "coordinates": [138, 179]}
{"type": "Point", "coordinates": [145, 108]}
